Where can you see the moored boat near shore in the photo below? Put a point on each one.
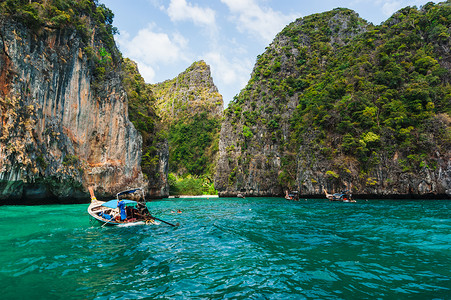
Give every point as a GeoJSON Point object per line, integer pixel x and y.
{"type": "Point", "coordinates": [293, 195]}
{"type": "Point", "coordinates": [344, 196]}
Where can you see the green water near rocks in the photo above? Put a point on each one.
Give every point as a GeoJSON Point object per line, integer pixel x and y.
{"type": "Point", "coordinates": [254, 248]}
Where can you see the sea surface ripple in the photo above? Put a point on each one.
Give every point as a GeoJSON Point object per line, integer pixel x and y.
{"type": "Point", "coordinates": [253, 248]}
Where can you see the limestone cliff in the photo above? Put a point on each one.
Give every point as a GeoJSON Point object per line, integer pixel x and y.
{"type": "Point", "coordinates": [256, 124]}
{"type": "Point", "coordinates": [190, 108]}
{"type": "Point", "coordinates": [191, 92]}
{"type": "Point", "coordinates": [64, 118]}
{"type": "Point", "coordinates": [335, 102]}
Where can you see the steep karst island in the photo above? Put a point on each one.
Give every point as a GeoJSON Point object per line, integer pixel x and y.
{"type": "Point", "coordinates": [327, 176]}
{"type": "Point", "coordinates": [334, 102]}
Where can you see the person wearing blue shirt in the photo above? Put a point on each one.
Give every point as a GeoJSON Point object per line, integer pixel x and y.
{"type": "Point", "coordinates": [121, 206]}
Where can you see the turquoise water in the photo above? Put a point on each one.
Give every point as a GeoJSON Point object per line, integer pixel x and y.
{"type": "Point", "coordinates": [255, 248]}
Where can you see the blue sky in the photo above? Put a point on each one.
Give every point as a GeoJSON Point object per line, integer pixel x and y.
{"type": "Point", "coordinates": [166, 36]}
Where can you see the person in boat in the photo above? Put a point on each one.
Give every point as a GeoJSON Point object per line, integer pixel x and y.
{"type": "Point", "coordinates": [142, 208]}
{"type": "Point", "coordinates": [142, 212]}
{"type": "Point", "coordinates": [131, 212]}
{"type": "Point", "coordinates": [121, 206]}
{"type": "Point", "coordinates": [106, 214]}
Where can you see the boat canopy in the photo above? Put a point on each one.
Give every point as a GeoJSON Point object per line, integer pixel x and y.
{"type": "Point", "coordinates": [129, 191]}
{"type": "Point", "coordinates": [113, 203]}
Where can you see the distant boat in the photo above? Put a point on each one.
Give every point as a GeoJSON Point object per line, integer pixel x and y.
{"type": "Point", "coordinates": [293, 195]}
{"type": "Point", "coordinates": [120, 211]}
{"type": "Point", "coordinates": [344, 196]}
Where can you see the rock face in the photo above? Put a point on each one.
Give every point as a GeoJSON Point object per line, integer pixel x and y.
{"type": "Point", "coordinates": [57, 135]}
{"type": "Point", "coordinates": [256, 124]}
{"type": "Point", "coordinates": [336, 103]}
{"type": "Point", "coordinates": [190, 93]}
{"type": "Point", "coordinates": [190, 108]}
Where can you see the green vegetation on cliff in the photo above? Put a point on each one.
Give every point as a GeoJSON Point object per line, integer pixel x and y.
{"type": "Point", "coordinates": [388, 91]}
{"type": "Point", "coordinates": [191, 109]}
{"type": "Point", "coordinates": [193, 145]}
{"type": "Point", "coordinates": [335, 90]}
{"type": "Point", "coordinates": [87, 17]}
{"type": "Point", "coordinates": [78, 14]}
{"type": "Point", "coordinates": [190, 185]}
{"type": "Point", "coordinates": [185, 112]}
{"type": "Point", "coordinates": [142, 113]}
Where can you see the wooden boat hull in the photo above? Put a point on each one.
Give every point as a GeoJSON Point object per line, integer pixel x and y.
{"type": "Point", "coordinates": [94, 210]}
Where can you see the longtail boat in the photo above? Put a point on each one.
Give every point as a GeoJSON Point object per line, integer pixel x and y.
{"type": "Point", "coordinates": [344, 196]}
{"type": "Point", "coordinates": [121, 211]}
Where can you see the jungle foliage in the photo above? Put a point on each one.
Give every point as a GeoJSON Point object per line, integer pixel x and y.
{"type": "Point", "coordinates": [87, 17]}
{"type": "Point", "coordinates": [190, 108]}
{"type": "Point", "coordinates": [192, 135]}
{"type": "Point", "coordinates": [385, 92]}
{"type": "Point", "coordinates": [142, 113]}
{"type": "Point", "coordinates": [193, 142]}
{"type": "Point", "coordinates": [82, 15]}
{"type": "Point", "coordinates": [190, 185]}
{"type": "Point", "coordinates": [362, 90]}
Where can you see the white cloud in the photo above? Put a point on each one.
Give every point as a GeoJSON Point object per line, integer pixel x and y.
{"type": "Point", "coordinates": [180, 40]}
{"type": "Point", "coordinates": [229, 74]}
{"type": "Point", "coordinates": [263, 22]}
{"type": "Point", "coordinates": [390, 7]}
{"type": "Point", "coordinates": [221, 67]}
{"type": "Point", "coordinates": [157, 3]}
{"type": "Point", "coordinates": [146, 71]}
{"type": "Point", "coordinates": [180, 10]}
{"type": "Point", "coordinates": [152, 49]}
